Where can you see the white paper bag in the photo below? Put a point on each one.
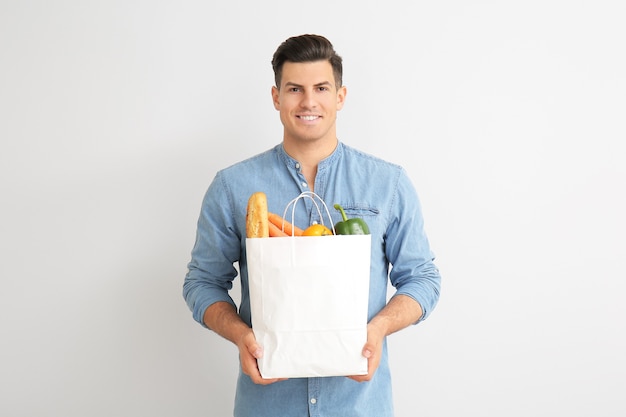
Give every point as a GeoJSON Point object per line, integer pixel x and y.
{"type": "Point", "coordinates": [309, 300]}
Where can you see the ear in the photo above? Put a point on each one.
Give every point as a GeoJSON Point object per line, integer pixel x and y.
{"type": "Point", "coordinates": [341, 97]}
{"type": "Point", "coordinates": [275, 97]}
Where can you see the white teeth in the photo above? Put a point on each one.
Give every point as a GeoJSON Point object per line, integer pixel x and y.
{"type": "Point", "coordinates": [308, 117]}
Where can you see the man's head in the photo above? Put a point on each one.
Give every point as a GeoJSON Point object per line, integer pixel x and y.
{"type": "Point", "coordinates": [307, 48]}
{"type": "Point", "coordinates": [308, 92]}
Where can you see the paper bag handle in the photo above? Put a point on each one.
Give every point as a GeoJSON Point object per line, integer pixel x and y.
{"type": "Point", "coordinates": [312, 196]}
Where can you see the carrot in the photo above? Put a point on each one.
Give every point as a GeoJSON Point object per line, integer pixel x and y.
{"type": "Point", "coordinates": [275, 231]}
{"type": "Point", "coordinates": [289, 228]}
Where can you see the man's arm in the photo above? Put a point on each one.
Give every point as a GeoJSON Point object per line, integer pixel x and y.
{"type": "Point", "coordinates": [400, 312]}
{"type": "Point", "coordinates": [222, 318]}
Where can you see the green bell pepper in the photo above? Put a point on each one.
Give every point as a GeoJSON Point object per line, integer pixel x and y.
{"type": "Point", "coordinates": [353, 226]}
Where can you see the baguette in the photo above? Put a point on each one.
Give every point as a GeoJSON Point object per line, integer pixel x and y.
{"type": "Point", "coordinates": [257, 223]}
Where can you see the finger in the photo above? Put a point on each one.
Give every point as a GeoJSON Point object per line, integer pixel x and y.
{"type": "Point", "coordinates": [251, 368]}
{"type": "Point", "coordinates": [257, 378]}
{"type": "Point", "coordinates": [270, 381]}
{"type": "Point", "coordinates": [372, 364]}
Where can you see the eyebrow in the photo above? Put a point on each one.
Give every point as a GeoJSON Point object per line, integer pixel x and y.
{"type": "Point", "coordinates": [290, 84]}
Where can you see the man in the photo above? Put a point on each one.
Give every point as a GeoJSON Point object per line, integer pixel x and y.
{"type": "Point", "coordinates": [308, 94]}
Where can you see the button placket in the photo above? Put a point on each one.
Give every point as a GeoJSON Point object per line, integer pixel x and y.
{"type": "Point", "coordinates": [301, 178]}
{"type": "Point", "coordinates": [314, 392]}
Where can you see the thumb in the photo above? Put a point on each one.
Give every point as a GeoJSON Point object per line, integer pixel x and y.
{"type": "Point", "coordinates": [249, 344]}
{"type": "Point", "coordinates": [368, 351]}
{"type": "Point", "coordinates": [256, 350]}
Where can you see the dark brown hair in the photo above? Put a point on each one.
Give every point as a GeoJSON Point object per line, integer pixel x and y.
{"type": "Point", "coordinates": [307, 48]}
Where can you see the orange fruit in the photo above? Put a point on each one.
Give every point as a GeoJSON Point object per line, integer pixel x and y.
{"type": "Point", "coordinates": [317, 230]}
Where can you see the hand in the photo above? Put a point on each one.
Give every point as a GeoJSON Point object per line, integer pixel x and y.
{"type": "Point", "coordinates": [249, 352]}
{"type": "Point", "coordinates": [373, 351]}
{"type": "Point", "coordinates": [222, 318]}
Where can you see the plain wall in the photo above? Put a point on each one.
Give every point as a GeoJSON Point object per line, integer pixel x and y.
{"type": "Point", "coordinates": [509, 117]}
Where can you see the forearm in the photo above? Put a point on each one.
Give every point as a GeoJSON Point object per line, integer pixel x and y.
{"type": "Point", "coordinates": [222, 318]}
{"type": "Point", "coordinates": [400, 312]}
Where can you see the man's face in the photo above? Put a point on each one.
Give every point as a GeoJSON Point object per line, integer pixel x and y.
{"type": "Point", "coordinates": [308, 101]}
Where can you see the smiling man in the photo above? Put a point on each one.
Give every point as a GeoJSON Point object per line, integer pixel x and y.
{"type": "Point", "coordinates": [308, 98]}
{"type": "Point", "coordinates": [308, 94]}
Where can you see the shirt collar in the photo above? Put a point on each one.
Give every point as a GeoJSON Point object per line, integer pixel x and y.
{"type": "Point", "coordinates": [323, 164]}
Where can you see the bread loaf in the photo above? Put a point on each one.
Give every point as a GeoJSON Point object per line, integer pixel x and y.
{"type": "Point", "coordinates": [257, 223]}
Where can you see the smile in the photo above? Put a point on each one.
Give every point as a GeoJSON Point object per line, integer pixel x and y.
{"type": "Point", "coordinates": [308, 118]}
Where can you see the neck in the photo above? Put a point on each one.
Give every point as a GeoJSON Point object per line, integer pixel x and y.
{"type": "Point", "coordinates": [309, 156]}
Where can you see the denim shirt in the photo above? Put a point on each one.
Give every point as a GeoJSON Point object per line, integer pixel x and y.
{"type": "Point", "coordinates": [367, 187]}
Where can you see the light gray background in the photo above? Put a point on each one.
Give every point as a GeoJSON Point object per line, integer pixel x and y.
{"type": "Point", "coordinates": [509, 116]}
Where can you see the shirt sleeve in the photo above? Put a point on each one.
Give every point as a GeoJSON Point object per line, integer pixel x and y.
{"type": "Point", "coordinates": [217, 248]}
{"type": "Point", "coordinates": [413, 271]}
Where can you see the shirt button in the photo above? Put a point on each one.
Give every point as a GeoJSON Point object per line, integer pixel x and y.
{"type": "Point", "coordinates": [304, 184]}
{"type": "Point", "coordinates": [313, 400]}
{"type": "Point", "coordinates": [297, 165]}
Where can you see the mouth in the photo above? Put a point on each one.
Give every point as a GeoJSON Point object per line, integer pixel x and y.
{"type": "Point", "coordinates": [308, 117]}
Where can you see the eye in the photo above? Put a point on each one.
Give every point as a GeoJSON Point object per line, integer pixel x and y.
{"type": "Point", "coordinates": [294, 89]}
{"type": "Point", "coordinates": [322, 88]}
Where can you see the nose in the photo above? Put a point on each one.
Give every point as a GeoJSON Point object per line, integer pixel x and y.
{"type": "Point", "coordinates": [308, 100]}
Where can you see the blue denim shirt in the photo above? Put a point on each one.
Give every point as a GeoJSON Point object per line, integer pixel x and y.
{"type": "Point", "coordinates": [367, 187]}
